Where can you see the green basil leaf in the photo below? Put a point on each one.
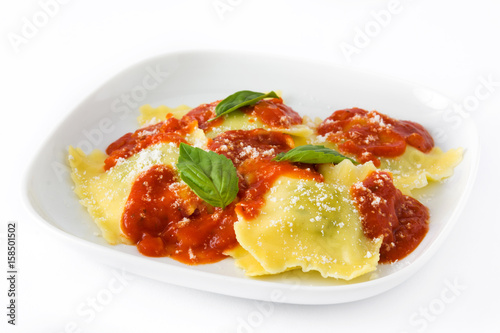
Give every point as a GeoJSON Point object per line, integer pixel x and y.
{"type": "Point", "coordinates": [211, 176]}
{"type": "Point", "coordinates": [240, 99]}
{"type": "Point", "coordinates": [312, 154]}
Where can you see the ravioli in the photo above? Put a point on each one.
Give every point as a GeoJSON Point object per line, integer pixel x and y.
{"type": "Point", "coordinates": [310, 225]}
{"type": "Point", "coordinates": [150, 115]}
{"type": "Point", "coordinates": [241, 121]}
{"type": "Point", "coordinates": [234, 121]}
{"type": "Point", "coordinates": [414, 169]}
{"type": "Point", "coordinates": [105, 193]}
{"type": "Point", "coordinates": [244, 260]}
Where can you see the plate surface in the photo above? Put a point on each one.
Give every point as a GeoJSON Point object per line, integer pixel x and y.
{"type": "Point", "coordinates": [195, 77]}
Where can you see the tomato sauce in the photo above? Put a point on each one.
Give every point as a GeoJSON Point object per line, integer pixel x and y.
{"type": "Point", "coordinates": [369, 135]}
{"type": "Point", "coordinates": [170, 130]}
{"type": "Point", "coordinates": [240, 145]}
{"type": "Point", "coordinates": [385, 211]}
{"type": "Point", "coordinates": [165, 218]}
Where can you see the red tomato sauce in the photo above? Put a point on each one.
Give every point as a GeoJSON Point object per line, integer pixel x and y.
{"type": "Point", "coordinates": [252, 153]}
{"type": "Point", "coordinates": [165, 218]}
{"type": "Point", "coordinates": [385, 211]}
{"type": "Point", "coordinates": [241, 145]}
{"type": "Point", "coordinates": [170, 130]}
{"type": "Point", "coordinates": [369, 135]}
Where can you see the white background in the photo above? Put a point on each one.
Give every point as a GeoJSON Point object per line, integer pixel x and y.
{"type": "Point", "coordinates": [444, 45]}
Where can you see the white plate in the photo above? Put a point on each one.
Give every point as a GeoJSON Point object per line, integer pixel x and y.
{"type": "Point", "coordinates": [202, 76]}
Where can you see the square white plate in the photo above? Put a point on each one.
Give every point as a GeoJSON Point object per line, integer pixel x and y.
{"type": "Point", "coordinates": [195, 77]}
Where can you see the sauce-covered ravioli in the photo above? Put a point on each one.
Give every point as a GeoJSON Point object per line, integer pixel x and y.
{"type": "Point", "coordinates": [414, 169]}
{"type": "Point", "coordinates": [105, 193]}
{"type": "Point", "coordinates": [404, 148]}
{"type": "Point", "coordinates": [310, 225]}
{"type": "Point", "coordinates": [241, 121]}
{"type": "Point", "coordinates": [236, 120]}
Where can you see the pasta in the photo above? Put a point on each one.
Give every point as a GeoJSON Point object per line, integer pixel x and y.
{"type": "Point", "coordinates": [312, 225]}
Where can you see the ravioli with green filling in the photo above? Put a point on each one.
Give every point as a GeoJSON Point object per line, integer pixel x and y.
{"type": "Point", "coordinates": [414, 169]}
{"type": "Point", "coordinates": [238, 120]}
{"type": "Point", "coordinates": [310, 225]}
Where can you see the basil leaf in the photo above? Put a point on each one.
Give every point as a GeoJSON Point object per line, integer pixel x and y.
{"type": "Point", "coordinates": [238, 100]}
{"type": "Point", "coordinates": [312, 154]}
{"type": "Point", "coordinates": [211, 176]}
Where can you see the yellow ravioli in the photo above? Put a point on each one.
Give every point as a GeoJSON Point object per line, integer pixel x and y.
{"type": "Point", "coordinates": [150, 115]}
{"type": "Point", "coordinates": [414, 168]}
{"type": "Point", "coordinates": [244, 260]}
{"type": "Point", "coordinates": [311, 225]}
{"type": "Point", "coordinates": [105, 193]}
{"type": "Point", "coordinates": [238, 120]}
